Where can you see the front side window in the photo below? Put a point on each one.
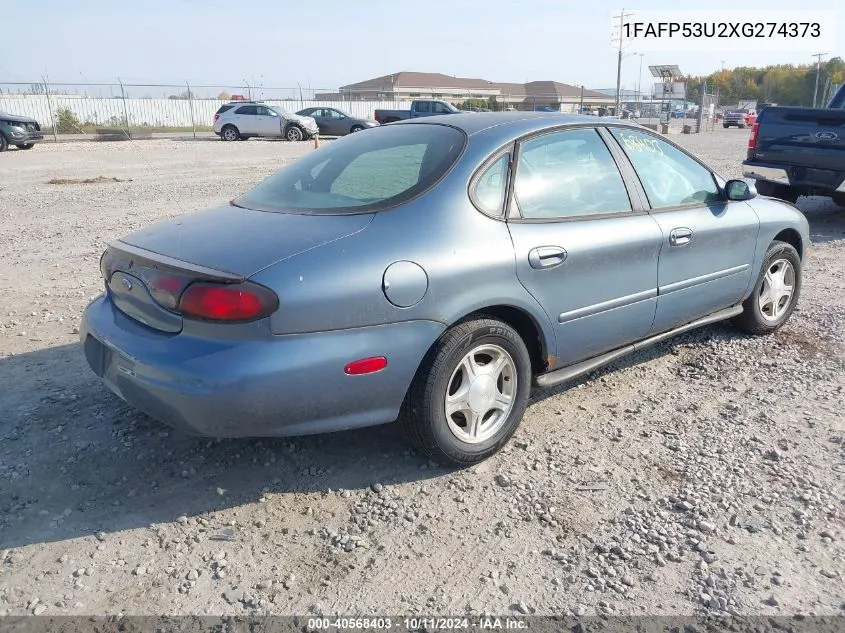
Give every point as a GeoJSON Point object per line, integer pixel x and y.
{"type": "Point", "coordinates": [670, 177]}
{"type": "Point", "coordinates": [568, 174]}
{"type": "Point", "coordinates": [361, 173]}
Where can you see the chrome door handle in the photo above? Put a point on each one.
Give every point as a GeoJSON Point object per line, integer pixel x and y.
{"type": "Point", "coordinates": [680, 237]}
{"type": "Point", "coordinates": [546, 256]}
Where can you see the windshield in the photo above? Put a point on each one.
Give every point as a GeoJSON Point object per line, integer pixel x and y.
{"type": "Point", "coordinates": [285, 113]}
{"type": "Point", "coordinates": [361, 173]}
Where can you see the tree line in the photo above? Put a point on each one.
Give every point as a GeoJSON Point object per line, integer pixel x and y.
{"type": "Point", "coordinates": [784, 84]}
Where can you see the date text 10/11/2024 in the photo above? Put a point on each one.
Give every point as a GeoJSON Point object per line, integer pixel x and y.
{"type": "Point", "coordinates": [416, 623]}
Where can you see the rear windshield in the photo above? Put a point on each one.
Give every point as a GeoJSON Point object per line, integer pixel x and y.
{"type": "Point", "coordinates": [361, 173]}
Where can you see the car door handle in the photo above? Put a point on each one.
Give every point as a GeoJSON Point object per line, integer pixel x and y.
{"type": "Point", "coordinates": [680, 237]}
{"type": "Point", "coordinates": [546, 256]}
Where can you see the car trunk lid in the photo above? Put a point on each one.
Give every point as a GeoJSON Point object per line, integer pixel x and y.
{"type": "Point", "coordinates": [147, 271]}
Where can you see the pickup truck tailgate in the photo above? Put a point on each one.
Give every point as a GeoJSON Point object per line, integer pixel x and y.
{"type": "Point", "coordinates": [802, 137]}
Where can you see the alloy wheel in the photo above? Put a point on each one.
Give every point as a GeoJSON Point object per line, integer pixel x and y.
{"type": "Point", "coordinates": [481, 393]}
{"type": "Point", "coordinates": [777, 289]}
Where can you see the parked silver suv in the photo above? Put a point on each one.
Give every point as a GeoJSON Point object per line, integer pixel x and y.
{"type": "Point", "coordinates": [240, 120]}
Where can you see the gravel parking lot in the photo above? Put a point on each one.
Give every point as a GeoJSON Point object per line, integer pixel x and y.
{"type": "Point", "coordinates": [703, 475]}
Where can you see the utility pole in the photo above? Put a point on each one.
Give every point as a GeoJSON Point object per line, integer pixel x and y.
{"type": "Point", "coordinates": [581, 110]}
{"type": "Point", "coordinates": [640, 80]}
{"type": "Point", "coordinates": [818, 57]}
{"type": "Point", "coordinates": [622, 16]}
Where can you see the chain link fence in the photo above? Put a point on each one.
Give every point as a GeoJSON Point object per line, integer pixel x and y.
{"type": "Point", "coordinates": [136, 109]}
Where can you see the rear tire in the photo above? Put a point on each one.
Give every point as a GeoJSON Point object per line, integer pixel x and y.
{"type": "Point", "coordinates": [767, 308]}
{"type": "Point", "coordinates": [481, 370]}
{"type": "Point", "coordinates": [4, 144]}
{"type": "Point", "coordinates": [230, 133]}
{"type": "Point", "coordinates": [26, 146]}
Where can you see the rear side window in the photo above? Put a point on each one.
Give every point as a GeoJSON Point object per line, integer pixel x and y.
{"type": "Point", "coordinates": [361, 173]}
{"type": "Point", "coordinates": [568, 174]}
{"type": "Point", "coordinates": [489, 189]}
{"type": "Point", "coordinates": [224, 108]}
{"type": "Point", "coordinates": [422, 106]}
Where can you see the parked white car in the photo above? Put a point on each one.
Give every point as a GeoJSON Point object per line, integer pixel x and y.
{"type": "Point", "coordinates": [240, 120]}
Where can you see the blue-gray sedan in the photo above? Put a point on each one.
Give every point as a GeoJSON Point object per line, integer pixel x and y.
{"type": "Point", "coordinates": [431, 271]}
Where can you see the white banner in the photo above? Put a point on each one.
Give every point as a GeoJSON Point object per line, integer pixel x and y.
{"type": "Point", "coordinates": [751, 31]}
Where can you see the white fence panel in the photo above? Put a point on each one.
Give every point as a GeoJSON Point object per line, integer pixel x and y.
{"type": "Point", "coordinates": [103, 111]}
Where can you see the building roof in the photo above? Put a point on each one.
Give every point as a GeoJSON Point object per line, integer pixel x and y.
{"type": "Point", "coordinates": [406, 81]}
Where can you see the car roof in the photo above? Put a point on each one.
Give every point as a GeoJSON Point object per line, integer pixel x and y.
{"type": "Point", "coordinates": [511, 124]}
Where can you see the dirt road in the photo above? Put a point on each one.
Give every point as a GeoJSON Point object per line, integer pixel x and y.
{"type": "Point", "coordinates": [705, 474]}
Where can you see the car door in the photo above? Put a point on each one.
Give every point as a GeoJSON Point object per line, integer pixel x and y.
{"type": "Point", "coordinates": [708, 242]}
{"type": "Point", "coordinates": [318, 114]}
{"type": "Point", "coordinates": [337, 122]}
{"type": "Point", "coordinates": [420, 108]}
{"type": "Point", "coordinates": [585, 248]}
{"type": "Point", "coordinates": [246, 120]}
{"type": "Point", "coordinates": [268, 122]}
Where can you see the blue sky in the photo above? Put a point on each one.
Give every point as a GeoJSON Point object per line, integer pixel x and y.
{"type": "Point", "coordinates": [329, 43]}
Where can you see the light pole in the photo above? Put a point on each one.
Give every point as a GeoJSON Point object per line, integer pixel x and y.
{"type": "Point", "coordinates": [640, 79]}
{"type": "Point", "coordinates": [622, 16]}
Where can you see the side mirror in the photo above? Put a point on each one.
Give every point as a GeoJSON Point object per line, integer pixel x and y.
{"type": "Point", "coordinates": [739, 190]}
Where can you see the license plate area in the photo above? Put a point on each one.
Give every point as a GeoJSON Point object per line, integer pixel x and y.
{"type": "Point", "coordinates": [101, 357]}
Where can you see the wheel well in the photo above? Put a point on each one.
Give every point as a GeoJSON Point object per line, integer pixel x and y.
{"type": "Point", "coordinates": [791, 236]}
{"type": "Point", "coordinates": [525, 327]}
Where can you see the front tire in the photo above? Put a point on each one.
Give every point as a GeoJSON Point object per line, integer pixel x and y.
{"type": "Point", "coordinates": [776, 292]}
{"type": "Point", "coordinates": [26, 146]}
{"type": "Point", "coordinates": [4, 144]}
{"type": "Point", "coordinates": [356, 128]}
{"type": "Point", "coordinates": [470, 392]}
{"type": "Point", "coordinates": [294, 133]}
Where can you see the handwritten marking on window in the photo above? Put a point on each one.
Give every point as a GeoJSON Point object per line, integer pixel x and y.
{"type": "Point", "coordinates": [640, 144]}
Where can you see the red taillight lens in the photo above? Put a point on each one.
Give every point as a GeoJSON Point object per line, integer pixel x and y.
{"type": "Point", "coordinates": [216, 116]}
{"type": "Point", "coordinates": [366, 366]}
{"type": "Point", "coordinates": [752, 140]}
{"type": "Point", "coordinates": [227, 302]}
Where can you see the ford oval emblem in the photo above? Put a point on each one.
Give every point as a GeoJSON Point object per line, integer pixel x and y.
{"type": "Point", "coordinates": [827, 136]}
{"type": "Point", "coordinates": [126, 283]}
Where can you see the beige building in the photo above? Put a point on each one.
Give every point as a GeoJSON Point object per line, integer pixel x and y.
{"type": "Point", "coordinates": [403, 86]}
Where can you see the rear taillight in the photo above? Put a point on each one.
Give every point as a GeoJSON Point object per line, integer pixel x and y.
{"type": "Point", "coordinates": [227, 302]}
{"type": "Point", "coordinates": [752, 140]}
{"type": "Point", "coordinates": [216, 116]}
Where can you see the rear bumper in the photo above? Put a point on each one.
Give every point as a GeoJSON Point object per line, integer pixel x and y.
{"type": "Point", "coordinates": [273, 386]}
{"type": "Point", "coordinates": [800, 178]}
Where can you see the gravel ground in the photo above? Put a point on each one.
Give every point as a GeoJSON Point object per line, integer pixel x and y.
{"type": "Point", "coordinates": [703, 475]}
